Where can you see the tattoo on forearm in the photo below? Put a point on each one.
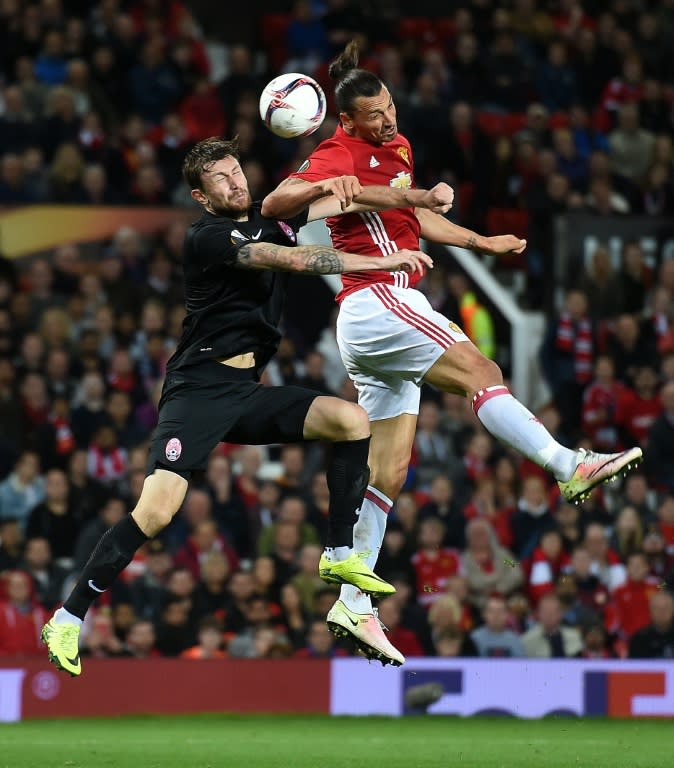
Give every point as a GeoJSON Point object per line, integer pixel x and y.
{"type": "Point", "coordinates": [472, 242]}
{"type": "Point", "coordinates": [325, 261]}
{"type": "Point", "coordinates": [314, 259]}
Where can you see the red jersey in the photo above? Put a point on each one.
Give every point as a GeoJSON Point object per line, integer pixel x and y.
{"type": "Point", "coordinates": [372, 233]}
{"type": "Point", "coordinates": [433, 571]}
{"type": "Point", "coordinates": [600, 404]}
{"type": "Point", "coordinates": [637, 415]}
{"type": "Point", "coordinates": [632, 605]}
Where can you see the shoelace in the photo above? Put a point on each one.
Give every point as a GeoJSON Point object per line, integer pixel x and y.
{"type": "Point", "coordinates": [375, 611]}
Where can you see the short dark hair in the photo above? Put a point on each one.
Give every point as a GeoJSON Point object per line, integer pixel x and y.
{"type": "Point", "coordinates": [352, 82]}
{"type": "Point", "coordinates": [202, 156]}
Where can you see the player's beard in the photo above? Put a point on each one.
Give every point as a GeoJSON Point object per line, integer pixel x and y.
{"type": "Point", "coordinates": [234, 209]}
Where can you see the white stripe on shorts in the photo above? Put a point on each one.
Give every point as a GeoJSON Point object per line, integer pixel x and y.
{"type": "Point", "coordinates": [411, 317]}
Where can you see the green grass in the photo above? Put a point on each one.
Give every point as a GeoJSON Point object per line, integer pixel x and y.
{"type": "Point", "coordinates": [229, 741]}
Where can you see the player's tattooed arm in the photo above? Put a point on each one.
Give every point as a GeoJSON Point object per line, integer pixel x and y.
{"type": "Point", "coordinates": [312, 259]}
{"type": "Point", "coordinates": [322, 260]}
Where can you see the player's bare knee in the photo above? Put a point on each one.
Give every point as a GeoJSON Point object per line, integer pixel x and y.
{"type": "Point", "coordinates": [487, 373]}
{"type": "Point", "coordinates": [152, 519]}
{"type": "Point", "coordinates": [352, 422]}
{"type": "Point", "coordinates": [389, 479]}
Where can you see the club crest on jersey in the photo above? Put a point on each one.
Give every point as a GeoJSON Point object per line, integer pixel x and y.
{"type": "Point", "coordinates": [304, 167]}
{"type": "Point", "coordinates": [402, 180]}
{"type": "Point", "coordinates": [287, 231]}
{"type": "Point", "coordinates": [173, 449]}
{"type": "Point", "coordinates": [454, 327]}
{"type": "Point", "coordinates": [404, 154]}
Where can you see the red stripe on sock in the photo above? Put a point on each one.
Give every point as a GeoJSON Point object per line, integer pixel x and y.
{"type": "Point", "coordinates": [482, 395]}
{"type": "Point", "coordinates": [379, 502]}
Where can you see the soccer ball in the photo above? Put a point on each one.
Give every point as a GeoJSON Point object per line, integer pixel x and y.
{"type": "Point", "coordinates": [292, 105]}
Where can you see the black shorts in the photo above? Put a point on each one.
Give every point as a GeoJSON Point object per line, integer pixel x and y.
{"type": "Point", "coordinates": [208, 403]}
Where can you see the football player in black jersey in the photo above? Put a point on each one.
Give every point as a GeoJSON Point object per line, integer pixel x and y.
{"type": "Point", "coordinates": [234, 264]}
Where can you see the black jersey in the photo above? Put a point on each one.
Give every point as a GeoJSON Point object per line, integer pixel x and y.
{"type": "Point", "coordinates": [231, 310]}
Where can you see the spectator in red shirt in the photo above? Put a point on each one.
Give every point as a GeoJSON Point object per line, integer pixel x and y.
{"type": "Point", "coordinates": [641, 407]}
{"type": "Point", "coordinates": [483, 504]}
{"type": "Point", "coordinates": [631, 601]}
{"type": "Point", "coordinates": [203, 540]}
{"type": "Point", "coordinates": [433, 563]}
{"type": "Point", "coordinates": [602, 399]}
{"type": "Point", "coordinates": [21, 618]}
{"type": "Point", "coordinates": [547, 561]}
{"type": "Point", "coordinates": [404, 639]}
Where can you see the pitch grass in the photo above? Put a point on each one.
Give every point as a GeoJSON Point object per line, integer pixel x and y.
{"type": "Point", "coordinates": [230, 741]}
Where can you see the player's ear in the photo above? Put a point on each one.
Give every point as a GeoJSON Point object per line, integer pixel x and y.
{"type": "Point", "coordinates": [199, 196]}
{"type": "Point", "coordinates": [345, 120]}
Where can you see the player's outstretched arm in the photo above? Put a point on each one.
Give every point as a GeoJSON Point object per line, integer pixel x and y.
{"type": "Point", "coordinates": [344, 194]}
{"type": "Point", "coordinates": [323, 260]}
{"type": "Point", "coordinates": [438, 229]}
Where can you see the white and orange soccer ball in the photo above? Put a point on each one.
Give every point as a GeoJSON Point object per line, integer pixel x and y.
{"type": "Point", "coordinates": [292, 105]}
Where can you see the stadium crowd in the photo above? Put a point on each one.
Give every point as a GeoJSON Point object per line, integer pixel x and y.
{"type": "Point", "coordinates": [541, 106]}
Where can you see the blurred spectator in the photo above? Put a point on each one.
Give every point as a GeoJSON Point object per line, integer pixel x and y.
{"type": "Point", "coordinates": [606, 564]}
{"type": "Point", "coordinates": [595, 642]}
{"type": "Point", "coordinates": [22, 489]}
{"type": "Point", "coordinates": [494, 638]}
{"type": "Point", "coordinates": [21, 617]}
{"type": "Point", "coordinates": [601, 285]}
{"type": "Point", "coordinates": [140, 640]}
{"type": "Point", "coordinates": [566, 356]}
{"type": "Point", "coordinates": [209, 641]}
{"type": "Point", "coordinates": [148, 590]}
{"type": "Point", "coordinates": [442, 505]}
{"type": "Point", "coordinates": [320, 643]}
{"type": "Point", "coordinates": [548, 638]}
{"type": "Point", "coordinates": [432, 562]}
{"type": "Point", "coordinates": [404, 639]}
{"type": "Point", "coordinates": [602, 400]}
{"type": "Point", "coordinates": [175, 632]}
{"type": "Point", "coordinates": [632, 599]}
{"type": "Point", "coordinates": [447, 635]}
{"type": "Point", "coordinates": [11, 544]}
{"type": "Point", "coordinates": [433, 449]}
{"type": "Point", "coordinates": [488, 567]}
{"type": "Point", "coordinates": [204, 539]}
{"type": "Point", "coordinates": [656, 640]}
{"type": "Point", "coordinates": [109, 514]}
{"type": "Point", "coordinates": [659, 460]}
{"type": "Point", "coordinates": [631, 146]}
{"type": "Point", "coordinates": [532, 517]}
{"type": "Point", "coordinates": [47, 576]}
{"type": "Point", "coordinates": [306, 580]}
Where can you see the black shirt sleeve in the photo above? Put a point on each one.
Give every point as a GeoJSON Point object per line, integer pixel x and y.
{"type": "Point", "coordinates": [297, 222]}
{"type": "Point", "coordinates": [214, 245]}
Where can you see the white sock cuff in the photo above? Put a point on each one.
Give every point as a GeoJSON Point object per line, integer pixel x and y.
{"type": "Point", "coordinates": [483, 395]}
{"type": "Point", "coordinates": [379, 497]}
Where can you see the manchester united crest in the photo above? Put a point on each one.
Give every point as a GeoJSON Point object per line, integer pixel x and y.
{"type": "Point", "coordinates": [404, 154]}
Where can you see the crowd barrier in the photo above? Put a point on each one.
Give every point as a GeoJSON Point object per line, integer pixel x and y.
{"type": "Point", "coordinates": [519, 688]}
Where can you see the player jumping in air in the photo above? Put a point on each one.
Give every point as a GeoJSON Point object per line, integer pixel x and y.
{"type": "Point", "coordinates": [234, 295]}
{"type": "Point", "coordinates": [390, 338]}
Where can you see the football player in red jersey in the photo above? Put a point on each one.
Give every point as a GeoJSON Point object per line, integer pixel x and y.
{"type": "Point", "coordinates": [390, 338]}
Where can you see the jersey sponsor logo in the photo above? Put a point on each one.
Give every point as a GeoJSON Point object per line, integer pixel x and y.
{"type": "Point", "coordinates": [373, 162]}
{"type": "Point", "coordinates": [236, 235]}
{"type": "Point", "coordinates": [404, 154]}
{"type": "Point", "coordinates": [287, 231]}
{"type": "Point", "coordinates": [304, 167]}
{"type": "Point", "coordinates": [402, 180]}
{"type": "Point", "coordinates": [173, 449]}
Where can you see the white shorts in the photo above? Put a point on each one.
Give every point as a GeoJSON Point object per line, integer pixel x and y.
{"type": "Point", "coordinates": [388, 338]}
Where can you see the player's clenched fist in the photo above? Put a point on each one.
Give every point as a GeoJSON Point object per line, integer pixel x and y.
{"type": "Point", "coordinates": [406, 261]}
{"type": "Point", "coordinates": [500, 244]}
{"type": "Point", "coordinates": [344, 188]}
{"type": "Point", "coordinates": [439, 199]}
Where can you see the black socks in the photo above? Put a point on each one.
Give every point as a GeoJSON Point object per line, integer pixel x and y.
{"type": "Point", "coordinates": [112, 554]}
{"type": "Point", "coordinates": [348, 475]}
